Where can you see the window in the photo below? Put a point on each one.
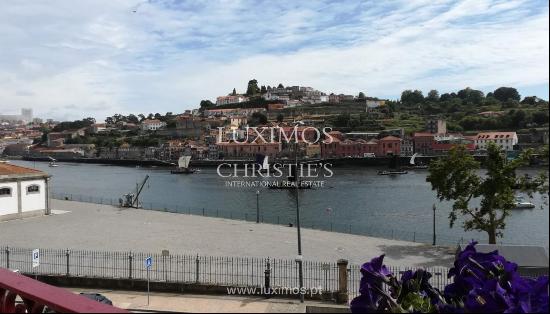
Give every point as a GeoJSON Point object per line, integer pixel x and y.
{"type": "Point", "coordinates": [5, 192]}
{"type": "Point", "coordinates": [33, 189]}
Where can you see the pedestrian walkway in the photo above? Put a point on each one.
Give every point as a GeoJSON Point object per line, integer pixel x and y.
{"type": "Point", "coordinates": [187, 303]}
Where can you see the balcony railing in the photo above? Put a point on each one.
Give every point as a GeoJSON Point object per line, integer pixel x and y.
{"type": "Point", "coordinates": [37, 296]}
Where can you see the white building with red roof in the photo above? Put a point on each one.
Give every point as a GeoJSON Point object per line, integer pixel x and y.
{"type": "Point", "coordinates": [24, 192]}
{"type": "Point", "coordinates": [505, 140]}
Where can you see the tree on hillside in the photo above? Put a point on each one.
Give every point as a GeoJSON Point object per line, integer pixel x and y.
{"type": "Point", "coordinates": [433, 95]}
{"type": "Point", "coordinates": [455, 178]}
{"type": "Point", "coordinates": [361, 96]}
{"type": "Point", "coordinates": [471, 96]}
{"type": "Point", "coordinates": [505, 93]}
{"type": "Point", "coordinates": [133, 119]}
{"type": "Point", "coordinates": [258, 118]}
{"type": "Point", "coordinates": [252, 88]}
{"type": "Point", "coordinates": [206, 104]}
{"type": "Point", "coordinates": [409, 97]}
{"type": "Point", "coordinates": [530, 100]}
{"type": "Point", "coordinates": [263, 90]}
{"type": "Point", "coordinates": [280, 86]}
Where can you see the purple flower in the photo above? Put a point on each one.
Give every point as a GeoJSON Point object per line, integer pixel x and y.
{"type": "Point", "coordinates": [374, 274]}
{"type": "Point", "coordinates": [491, 298]}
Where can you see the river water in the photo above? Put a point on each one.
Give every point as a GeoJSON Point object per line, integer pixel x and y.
{"type": "Point", "coordinates": [354, 200]}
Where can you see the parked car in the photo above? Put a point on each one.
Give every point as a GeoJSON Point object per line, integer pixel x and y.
{"type": "Point", "coordinates": [97, 297]}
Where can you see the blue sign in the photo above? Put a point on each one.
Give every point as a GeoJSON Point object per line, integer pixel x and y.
{"type": "Point", "coordinates": [148, 262]}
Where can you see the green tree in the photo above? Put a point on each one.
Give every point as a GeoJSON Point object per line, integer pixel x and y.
{"type": "Point", "coordinates": [252, 88]}
{"type": "Point", "coordinates": [258, 118]}
{"type": "Point", "coordinates": [409, 97]}
{"type": "Point", "coordinates": [455, 178]}
{"type": "Point", "coordinates": [206, 104]}
{"type": "Point", "coordinates": [263, 90]}
{"type": "Point", "coordinates": [505, 93]}
{"type": "Point", "coordinates": [471, 96]}
{"type": "Point", "coordinates": [433, 95]}
{"type": "Point", "coordinates": [530, 100]}
{"type": "Point", "coordinates": [133, 119]}
{"type": "Point", "coordinates": [361, 96]}
{"type": "Point", "coordinates": [540, 117]}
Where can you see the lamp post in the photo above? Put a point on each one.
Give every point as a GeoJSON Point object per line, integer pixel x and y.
{"type": "Point", "coordinates": [434, 236]}
{"type": "Point", "coordinates": [258, 206]}
{"type": "Point", "coordinates": [299, 259]}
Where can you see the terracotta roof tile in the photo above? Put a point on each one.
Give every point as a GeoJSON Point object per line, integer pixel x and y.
{"type": "Point", "coordinates": [9, 169]}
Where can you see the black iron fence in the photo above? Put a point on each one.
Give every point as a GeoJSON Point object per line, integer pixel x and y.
{"type": "Point", "coordinates": [210, 270]}
{"type": "Point", "coordinates": [194, 269]}
{"type": "Point", "coordinates": [393, 234]}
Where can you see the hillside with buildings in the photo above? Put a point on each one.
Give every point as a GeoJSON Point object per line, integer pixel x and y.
{"type": "Point", "coordinates": [362, 126]}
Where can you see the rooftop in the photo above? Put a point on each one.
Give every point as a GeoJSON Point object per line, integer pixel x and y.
{"type": "Point", "coordinates": [9, 170]}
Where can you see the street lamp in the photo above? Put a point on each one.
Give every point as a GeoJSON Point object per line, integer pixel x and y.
{"type": "Point", "coordinates": [299, 259]}
{"type": "Point", "coordinates": [258, 206]}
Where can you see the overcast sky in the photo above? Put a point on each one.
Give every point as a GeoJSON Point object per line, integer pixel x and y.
{"type": "Point", "coordinates": [70, 59]}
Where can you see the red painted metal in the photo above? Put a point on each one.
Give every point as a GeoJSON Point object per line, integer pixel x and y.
{"type": "Point", "coordinates": [37, 295]}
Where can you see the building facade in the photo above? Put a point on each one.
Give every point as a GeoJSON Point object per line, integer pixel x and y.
{"type": "Point", "coordinates": [24, 192]}
{"type": "Point", "coordinates": [152, 125]}
{"type": "Point", "coordinates": [505, 140]}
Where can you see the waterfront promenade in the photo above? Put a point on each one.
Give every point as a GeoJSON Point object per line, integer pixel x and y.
{"type": "Point", "coordinates": [88, 226]}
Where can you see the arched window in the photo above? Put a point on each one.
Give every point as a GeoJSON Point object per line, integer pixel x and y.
{"type": "Point", "coordinates": [33, 189]}
{"type": "Point", "coordinates": [5, 192]}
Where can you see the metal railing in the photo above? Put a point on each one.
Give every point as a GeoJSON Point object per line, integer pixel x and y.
{"type": "Point", "coordinates": [393, 234]}
{"type": "Point", "coordinates": [173, 268]}
{"type": "Point", "coordinates": [192, 269]}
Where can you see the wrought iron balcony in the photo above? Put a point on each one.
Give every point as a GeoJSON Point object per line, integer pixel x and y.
{"type": "Point", "coordinates": [37, 296]}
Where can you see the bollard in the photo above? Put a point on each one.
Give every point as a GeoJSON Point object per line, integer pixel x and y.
{"type": "Point", "coordinates": [7, 257]}
{"type": "Point", "coordinates": [267, 279]}
{"type": "Point", "coordinates": [67, 253]}
{"type": "Point", "coordinates": [130, 265]}
{"type": "Point", "coordinates": [197, 262]}
{"type": "Point", "coordinates": [342, 296]}
{"type": "Point", "coordinates": [203, 211]}
{"type": "Point", "coordinates": [414, 236]}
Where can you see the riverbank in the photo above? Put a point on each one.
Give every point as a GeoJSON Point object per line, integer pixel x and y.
{"type": "Point", "coordinates": [107, 228]}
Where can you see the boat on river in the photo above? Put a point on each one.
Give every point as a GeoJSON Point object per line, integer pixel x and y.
{"type": "Point", "coordinates": [413, 165]}
{"type": "Point", "coordinates": [53, 163]}
{"type": "Point", "coordinates": [522, 204]}
{"type": "Point", "coordinates": [391, 172]}
{"type": "Point", "coordinates": [183, 166]}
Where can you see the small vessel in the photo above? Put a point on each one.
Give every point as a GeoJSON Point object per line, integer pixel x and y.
{"type": "Point", "coordinates": [263, 162]}
{"type": "Point", "coordinates": [395, 168]}
{"type": "Point", "coordinates": [413, 165]}
{"type": "Point", "coordinates": [53, 162]}
{"type": "Point", "coordinates": [522, 204]}
{"type": "Point", "coordinates": [183, 166]}
{"type": "Point", "coordinates": [391, 172]}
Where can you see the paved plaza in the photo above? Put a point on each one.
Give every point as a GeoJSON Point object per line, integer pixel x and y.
{"type": "Point", "coordinates": [89, 226]}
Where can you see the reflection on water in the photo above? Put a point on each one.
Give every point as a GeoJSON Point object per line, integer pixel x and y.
{"type": "Point", "coordinates": [353, 196]}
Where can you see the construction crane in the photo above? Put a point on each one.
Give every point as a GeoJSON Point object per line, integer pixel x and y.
{"type": "Point", "coordinates": [131, 200]}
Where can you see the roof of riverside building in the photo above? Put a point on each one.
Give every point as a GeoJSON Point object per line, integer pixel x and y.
{"type": "Point", "coordinates": [8, 170]}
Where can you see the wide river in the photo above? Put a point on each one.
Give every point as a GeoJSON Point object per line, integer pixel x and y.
{"type": "Point", "coordinates": [354, 200]}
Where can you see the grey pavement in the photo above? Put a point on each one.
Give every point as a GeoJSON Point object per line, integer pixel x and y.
{"type": "Point", "coordinates": [89, 226]}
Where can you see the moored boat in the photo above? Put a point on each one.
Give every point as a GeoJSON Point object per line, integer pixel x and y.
{"type": "Point", "coordinates": [183, 166]}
